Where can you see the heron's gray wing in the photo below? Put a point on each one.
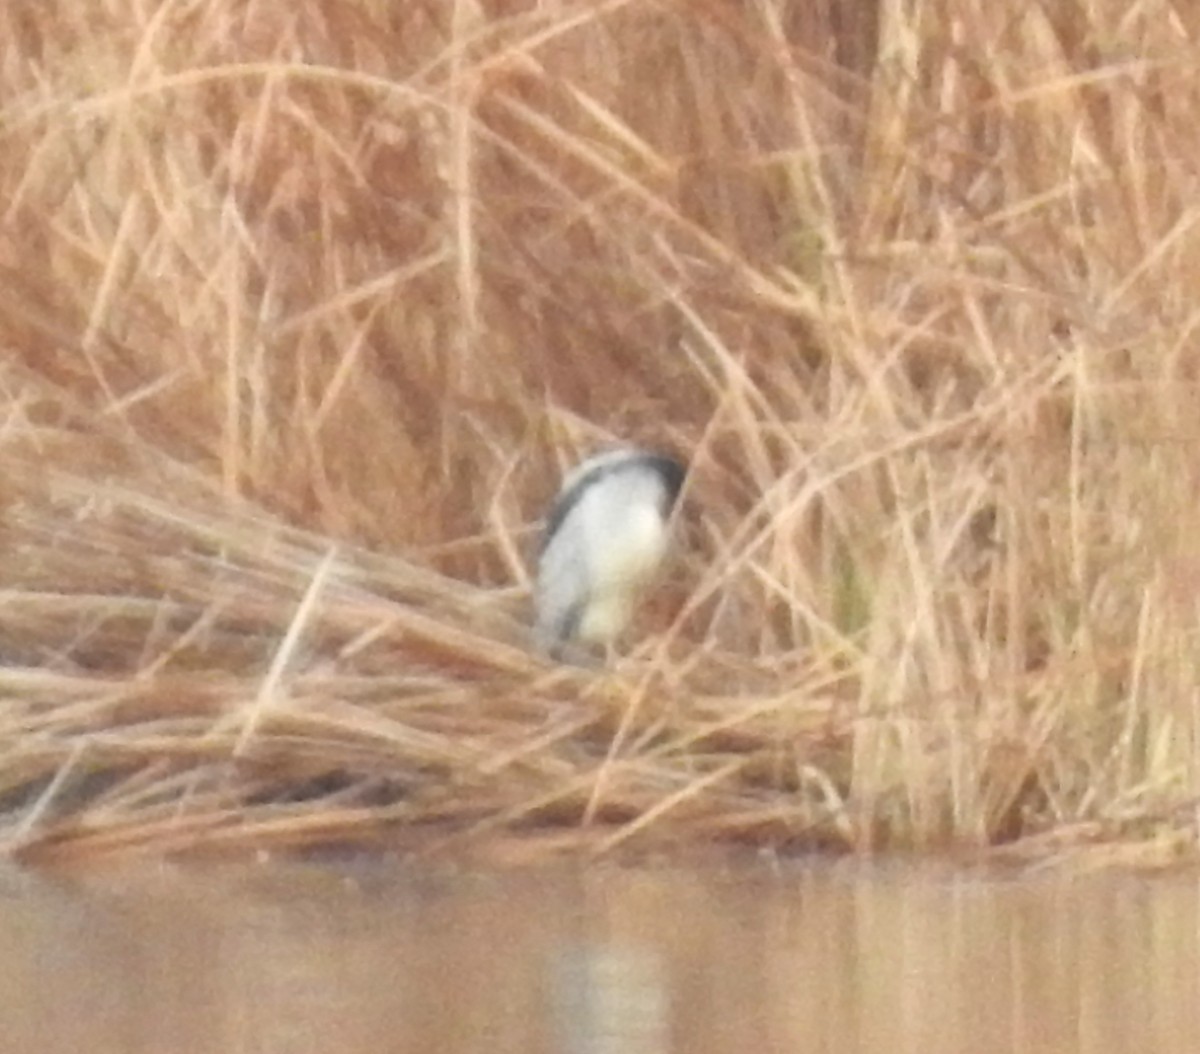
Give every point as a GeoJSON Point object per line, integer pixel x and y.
{"type": "Point", "coordinates": [561, 594]}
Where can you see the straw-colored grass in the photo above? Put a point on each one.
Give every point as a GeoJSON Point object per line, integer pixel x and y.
{"type": "Point", "coordinates": [305, 307]}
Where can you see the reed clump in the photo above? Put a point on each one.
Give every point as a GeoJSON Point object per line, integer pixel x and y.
{"type": "Point", "coordinates": [304, 309]}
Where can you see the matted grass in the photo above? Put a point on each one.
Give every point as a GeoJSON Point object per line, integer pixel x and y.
{"type": "Point", "coordinates": [304, 308]}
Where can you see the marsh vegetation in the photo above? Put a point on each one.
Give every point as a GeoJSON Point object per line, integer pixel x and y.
{"type": "Point", "coordinates": [304, 309]}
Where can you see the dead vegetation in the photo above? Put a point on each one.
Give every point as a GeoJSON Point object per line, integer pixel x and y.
{"type": "Point", "coordinates": [304, 308]}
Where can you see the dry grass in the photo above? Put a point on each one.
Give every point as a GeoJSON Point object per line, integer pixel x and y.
{"type": "Point", "coordinates": [304, 308]}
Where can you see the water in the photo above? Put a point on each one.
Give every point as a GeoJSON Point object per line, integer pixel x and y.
{"type": "Point", "coordinates": [290, 959]}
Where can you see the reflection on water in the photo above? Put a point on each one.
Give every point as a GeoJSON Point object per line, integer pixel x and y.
{"type": "Point", "coordinates": [284, 959]}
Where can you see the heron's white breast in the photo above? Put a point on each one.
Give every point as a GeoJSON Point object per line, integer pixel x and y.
{"type": "Point", "coordinates": [626, 534]}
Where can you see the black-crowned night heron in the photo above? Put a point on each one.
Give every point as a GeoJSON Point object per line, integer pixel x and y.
{"type": "Point", "coordinates": [606, 535]}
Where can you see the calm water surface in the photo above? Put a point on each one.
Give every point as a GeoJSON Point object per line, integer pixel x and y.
{"type": "Point", "coordinates": [287, 958]}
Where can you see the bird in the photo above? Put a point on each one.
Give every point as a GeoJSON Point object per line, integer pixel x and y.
{"type": "Point", "coordinates": [605, 536]}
